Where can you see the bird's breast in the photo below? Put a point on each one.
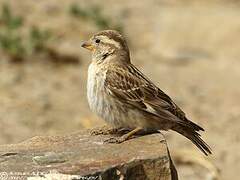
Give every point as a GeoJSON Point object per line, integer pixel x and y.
{"type": "Point", "coordinates": [95, 88]}
{"type": "Point", "coordinates": [107, 107]}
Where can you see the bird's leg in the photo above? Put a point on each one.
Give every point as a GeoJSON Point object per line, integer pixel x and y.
{"type": "Point", "coordinates": [104, 130]}
{"type": "Point", "coordinates": [123, 137]}
{"type": "Point", "coordinates": [147, 131]}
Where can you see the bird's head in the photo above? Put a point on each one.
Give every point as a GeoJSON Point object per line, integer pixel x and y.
{"type": "Point", "coordinates": [107, 43]}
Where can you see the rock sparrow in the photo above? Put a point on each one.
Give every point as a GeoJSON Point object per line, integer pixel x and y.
{"type": "Point", "coordinates": [125, 98]}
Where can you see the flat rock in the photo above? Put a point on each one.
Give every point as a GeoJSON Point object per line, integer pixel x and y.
{"type": "Point", "coordinates": [82, 156]}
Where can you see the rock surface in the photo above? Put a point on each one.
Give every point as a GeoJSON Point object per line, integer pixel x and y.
{"type": "Point", "coordinates": [81, 156]}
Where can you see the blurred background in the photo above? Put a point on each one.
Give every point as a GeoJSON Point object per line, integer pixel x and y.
{"type": "Point", "coordinates": [190, 49]}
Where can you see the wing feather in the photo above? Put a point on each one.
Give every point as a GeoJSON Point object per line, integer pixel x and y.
{"type": "Point", "coordinates": [132, 87]}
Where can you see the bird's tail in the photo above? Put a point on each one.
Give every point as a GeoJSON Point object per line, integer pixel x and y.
{"type": "Point", "coordinates": [192, 134]}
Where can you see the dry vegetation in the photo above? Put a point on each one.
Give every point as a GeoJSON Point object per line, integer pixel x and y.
{"type": "Point", "coordinates": [190, 49]}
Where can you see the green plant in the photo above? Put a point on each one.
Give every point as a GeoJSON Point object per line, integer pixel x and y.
{"type": "Point", "coordinates": [15, 44]}
{"type": "Point", "coordinates": [95, 15]}
{"type": "Point", "coordinates": [10, 40]}
{"type": "Point", "coordinates": [10, 21]}
{"type": "Point", "coordinates": [77, 11]}
{"type": "Point", "coordinates": [12, 45]}
{"type": "Point", "coordinates": [38, 39]}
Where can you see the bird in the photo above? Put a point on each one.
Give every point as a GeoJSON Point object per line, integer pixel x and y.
{"type": "Point", "coordinates": [119, 93]}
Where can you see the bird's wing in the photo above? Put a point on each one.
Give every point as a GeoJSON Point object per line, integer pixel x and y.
{"type": "Point", "coordinates": [131, 86]}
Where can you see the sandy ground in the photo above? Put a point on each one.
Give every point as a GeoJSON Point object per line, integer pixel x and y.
{"type": "Point", "coordinates": [191, 50]}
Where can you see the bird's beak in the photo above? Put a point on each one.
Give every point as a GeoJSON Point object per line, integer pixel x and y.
{"type": "Point", "coordinates": [88, 45]}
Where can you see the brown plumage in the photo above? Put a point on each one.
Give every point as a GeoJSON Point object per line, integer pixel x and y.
{"type": "Point", "coordinates": [124, 97]}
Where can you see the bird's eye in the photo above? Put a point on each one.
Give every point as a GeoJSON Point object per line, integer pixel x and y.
{"type": "Point", "coordinates": [97, 41]}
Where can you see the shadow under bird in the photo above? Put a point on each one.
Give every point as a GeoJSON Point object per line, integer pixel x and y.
{"type": "Point", "coordinates": [125, 98]}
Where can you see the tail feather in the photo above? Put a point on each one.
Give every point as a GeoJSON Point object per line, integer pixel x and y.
{"type": "Point", "coordinates": [197, 140]}
{"type": "Point", "coordinates": [195, 137]}
{"type": "Point", "coordinates": [194, 125]}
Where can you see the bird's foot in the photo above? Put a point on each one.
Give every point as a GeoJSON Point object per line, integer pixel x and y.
{"type": "Point", "coordinates": [124, 137]}
{"type": "Point", "coordinates": [104, 130]}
